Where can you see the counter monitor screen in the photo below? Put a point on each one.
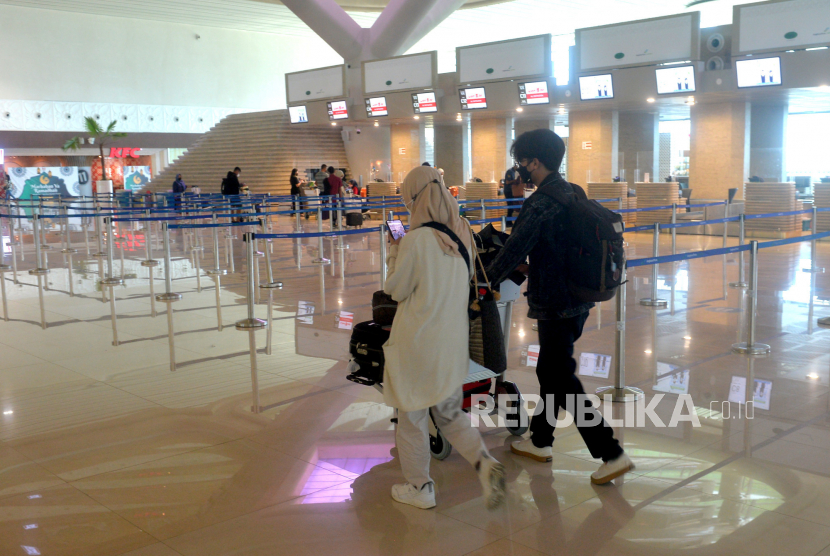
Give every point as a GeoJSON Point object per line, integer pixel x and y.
{"type": "Point", "coordinates": [338, 110]}
{"type": "Point", "coordinates": [298, 114]}
{"type": "Point", "coordinates": [765, 72]}
{"type": "Point", "coordinates": [473, 99]}
{"type": "Point", "coordinates": [680, 79]}
{"type": "Point", "coordinates": [424, 102]}
{"type": "Point", "coordinates": [534, 93]}
{"type": "Point", "coordinates": [596, 87]}
{"type": "Point", "coordinates": [376, 107]}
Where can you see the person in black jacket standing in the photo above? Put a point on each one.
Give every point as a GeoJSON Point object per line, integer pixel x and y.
{"type": "Point", "coordinates": [230, 186]}
{"type": "Point", "coordinates": [541, 232]}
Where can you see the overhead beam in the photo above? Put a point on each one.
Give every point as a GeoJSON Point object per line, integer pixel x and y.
{"type": "Point", "coordinates": [332, 24]}
{"type": "Point", "coordinates": [395, 24]}
{"type": "Point", "coordinates": [439, 12]}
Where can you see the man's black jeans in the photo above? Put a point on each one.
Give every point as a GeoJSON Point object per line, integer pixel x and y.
{"type": "Point", "coordinates": [556, 371]}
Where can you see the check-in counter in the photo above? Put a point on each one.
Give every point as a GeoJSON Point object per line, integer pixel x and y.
{"type": "Point", "coordinates": [766, 198]}
{"type": "Point", "coordinates": [703, 214]}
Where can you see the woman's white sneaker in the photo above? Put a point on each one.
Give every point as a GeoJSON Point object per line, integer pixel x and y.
{"type": "Point", "coordinates": [612, 469]}
{"type": "Point", "coordinates": [406, 493]}
{"type": "Point", "coordinates": [527, 449]}
{"type": "Point", "coordinates": [491, 475]}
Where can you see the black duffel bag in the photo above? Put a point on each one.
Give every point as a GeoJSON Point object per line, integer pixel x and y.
{"type": "Point", "coordinates": [366, 349]}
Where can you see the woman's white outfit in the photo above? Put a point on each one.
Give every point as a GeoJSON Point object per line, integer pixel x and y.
{"type": "Point", "coordinates": [427, 355]}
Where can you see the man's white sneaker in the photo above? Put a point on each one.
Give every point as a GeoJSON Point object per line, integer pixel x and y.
{"type": "Point", "coordinates": [527, 449]}
{"type": "Point", "coordinates": [406, 493]}
{"type": "Point", "coordinates": [491, 475]}
{"type": "Point", "coordinates": [612, 469]}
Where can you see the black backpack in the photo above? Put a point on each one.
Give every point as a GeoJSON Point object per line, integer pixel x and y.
{"type": "Point", "coordinates": [224, 187]}
{"type": "Point", "coordinates": [596, 255]}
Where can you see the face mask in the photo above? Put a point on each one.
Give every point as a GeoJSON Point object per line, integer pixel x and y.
{"type": "Point", "coordinates": [524, 173]}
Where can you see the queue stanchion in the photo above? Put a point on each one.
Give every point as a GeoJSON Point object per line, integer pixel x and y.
{"type": "Point", "coordinates": [504, 224]}
{"type": "Point", "coordinates": [620, 203]}
{"type": "Point", "coordinates": [40, 271]}
{"type": "Point", "coordinates": [43, 258]}
{"type": "Point", "coordinates": [3, 269]}
{"type": "Point", "coordinates": [20, 233]}
{"type": "Point", "coordinates": [169, 296]}
{"type": "Point", "coordinates": [813, 230]}
{"type": "Point", "coordinates": [619, 391]}
{"type": "Point", "coordinates": [111, 281]}
{"type": "Point", "coordinates": [382, 255]}
{"type": "Point", "coordinates": [741, 283]}
{"type": "Point", "coordinates": [654, 301]}
{"type": "Point", "coordinates": [321, 258]}
{"type": "Point", "coordinates": [150, 264]}
{"type": "Point", "coordinates": [483, 212]}
{"type": "Point", "coordinates": [251, 324]}
{"type": "Point", "coordinates": [269, 271]}
{"type": "Point", "coordinates": [229, 252]}
{"type": "Point", "coordinates": [673, 229]}
{"type": "Point", "coordinates": [14, 244]}
{"type": "Point", "coordinates": [69, 251]}
{"type": "Point", "coordinates": [750, 347]}
{"type": "Point", "coordinates": [217, 273]}
{"type": "Point", "coordinates": [99, 228]}
{"type": "Point", "coordinates": [383, 205]}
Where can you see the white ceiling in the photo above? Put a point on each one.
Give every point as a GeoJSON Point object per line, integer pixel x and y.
{"type": "Point", "coordinates": [506, 19]}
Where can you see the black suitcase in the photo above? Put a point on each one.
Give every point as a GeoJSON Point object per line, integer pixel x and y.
{"type": "Point", "coordinates": [366, 348]}
{"type": "Point", "coordinates": [354, 219]}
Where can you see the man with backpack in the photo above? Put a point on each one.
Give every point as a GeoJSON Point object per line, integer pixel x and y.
{"type": "Point", "coordinates": [548, 231]}
{"type": "Point", "coordinates": [230, 186]}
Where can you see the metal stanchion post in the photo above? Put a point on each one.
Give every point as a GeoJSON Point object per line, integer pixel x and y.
{"type": "Point", "coordinates": [620, 392]}
{"type": "Point", "coordinates": [111, 281]}
{"type": "Point", "coordinates": [230, 237]}
{"type": "Point", "coordinates": [504, 224]}
{"type": "Point", "coordinates": [169, 296]}
{"type": "Point", "coordinates": [321, 259]}
{"type": "Point", "coordinates": [3, 269]}
{"type": "Point", "coordinates": [382, 255]}
{"type": "Point", "coordinates": [741, 283]}
{"type": "Point", "coordinates": [750, 347]}
{"type": "Point", "coordinates": [69, 251]}
{"type": "Point", "coordinates": [20, 232]}
{"type": "Point", "coordinates": [40, 272]}
{"type": "Point", "coordinates": [654, 301]}
{"type": "Point", "coordinates": [150, 264]}
{"type": "Point", "coordinates": [483, 212]}
{"type": "Point", "coordinates": [620, 203]}
{"type": "Point", "coordinates": [674, 230]}
{"type": "Point", "coordinates": [251, 324]}
{"type": "Point", "coordinates": [813, 230]}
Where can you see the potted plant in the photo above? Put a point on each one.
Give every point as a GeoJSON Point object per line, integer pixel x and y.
{"type": "Point", "coordinates": [97, 135]}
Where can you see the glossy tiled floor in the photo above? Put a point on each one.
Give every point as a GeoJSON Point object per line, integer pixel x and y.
{"type": "Point", "coordinates": [105, 451]}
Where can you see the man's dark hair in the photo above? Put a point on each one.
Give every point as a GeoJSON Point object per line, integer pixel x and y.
{"type": "Point", "coordinates": [237, 169]}
{"type": "Point", "coordinates": [426, 164]}
{"type": "Point", "coordinates": [331, 170]}
{"type": "Point", "coordinates": [542, 144]}
{"type": "Point", "coordinates": [323, 166]}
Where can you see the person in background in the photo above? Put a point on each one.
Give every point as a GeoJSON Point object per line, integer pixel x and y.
{"type": "Point", "coordinates": [427, 354]}
{"type": "Point", "coordinates": [426, 164]}
{"type": "Point", "coordinates": [179, 187]}
{"type": "Point", "coordinates": [354, 187]}
{"type": "Point", "coordinates": [513, 189]}
{"type": "Point", "coordinates": [541, 232]}
{"type": "Point", "coordinates": [320, 176]}
{"type": "Point", "coordinates": [230, 186]}
{"type": "Point", "coordinates": [332, 187]}
{"type": "Point", "coordinates": [295, 188]}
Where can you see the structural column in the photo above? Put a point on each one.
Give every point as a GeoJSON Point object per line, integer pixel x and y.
{"type": "Point", "coordinates": [593, 146]}
{"type": "Point", "coordinates": [406, 149]}
{"type": "Point", "coordinates": [719, 157]}
{"type": "Point", "coordinates": [449, 153]}
{"type": "Point", "coordinates": [768, 132]}
{"type": "Point", "coordinates": [639, 138]}
{"type": "Point", "coordinates": [491, 140]}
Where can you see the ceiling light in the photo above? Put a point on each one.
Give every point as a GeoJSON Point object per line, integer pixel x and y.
{"type": "Point", "coordinates": [8, 412]}
{"type": "Point", "coordinates": [520, 109]}
{"type": "Point", "coordinates": [340, 301]}
{"type": "Point", "coordinates": [521, 333]}
{"type": "Point", "coordinates": [561, 110]}
{"type": "Point", "coordinates": [377, 124]}
{"type": "Point", "coordinates": [813, 376]}
{"type": "Point", "coordinates": [648, 351]}
{"type": "Point", "coordinates": [650, 99]}
{"type": "Point", "coordinates": [333, 123]}
{"type": "Point", "coordinates": [687, 337]}
{"type": "Point", "coordinates": [824, 88]}
{"type": "Point", "coordinates": [417, 117]}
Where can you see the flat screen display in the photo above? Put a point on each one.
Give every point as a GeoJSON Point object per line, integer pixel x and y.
{"type": "Point", "coordinates": [298, 114]}
{"type": "Point", "coordinates": [534, 93]}
{"type": "Point", "coordinates": [473, 99]}
{"type": "Point", "coordinates": [680, 79]}
{"type": "Point", "coordinates": [424, 102]}
{"type": "Point", "coordinates": [765, 72]}
{"type": "Point", "coordinates": [338, 110]}
{"type": "Point", "coordinates": [376, 107]}
{"type": "Point", "coordinates": [596, 87]}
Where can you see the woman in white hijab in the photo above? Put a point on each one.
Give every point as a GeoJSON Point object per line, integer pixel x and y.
{"type": "Point", "coordinates": [427, 355]}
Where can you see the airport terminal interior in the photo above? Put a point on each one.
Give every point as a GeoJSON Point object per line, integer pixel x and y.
{"type": "Point", "coordinates": [179, 374]}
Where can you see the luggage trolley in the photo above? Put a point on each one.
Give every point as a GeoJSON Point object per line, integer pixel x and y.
{"type": "Point", "coordinates": [479, 379]}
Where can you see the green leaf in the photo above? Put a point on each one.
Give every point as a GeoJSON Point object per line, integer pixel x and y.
{"type": "Point", "coordinates": [92, 126]}
{"type": "Point", "coordinates": [72, 144]}
{"type": "Point", "coordinates": [111, 127]}
{"type": "Point", "coordinates": [119, 135]}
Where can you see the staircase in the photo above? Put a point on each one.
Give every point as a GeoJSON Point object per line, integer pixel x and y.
{"type": "Point", "coordinates": [264, 144]}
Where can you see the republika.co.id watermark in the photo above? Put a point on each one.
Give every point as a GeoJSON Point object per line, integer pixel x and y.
{"type": "Point", "coordinates": [503, 410]}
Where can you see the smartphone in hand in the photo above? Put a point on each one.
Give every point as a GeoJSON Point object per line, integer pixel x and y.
{"type": "Point", "coordinates": [396, 229]}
